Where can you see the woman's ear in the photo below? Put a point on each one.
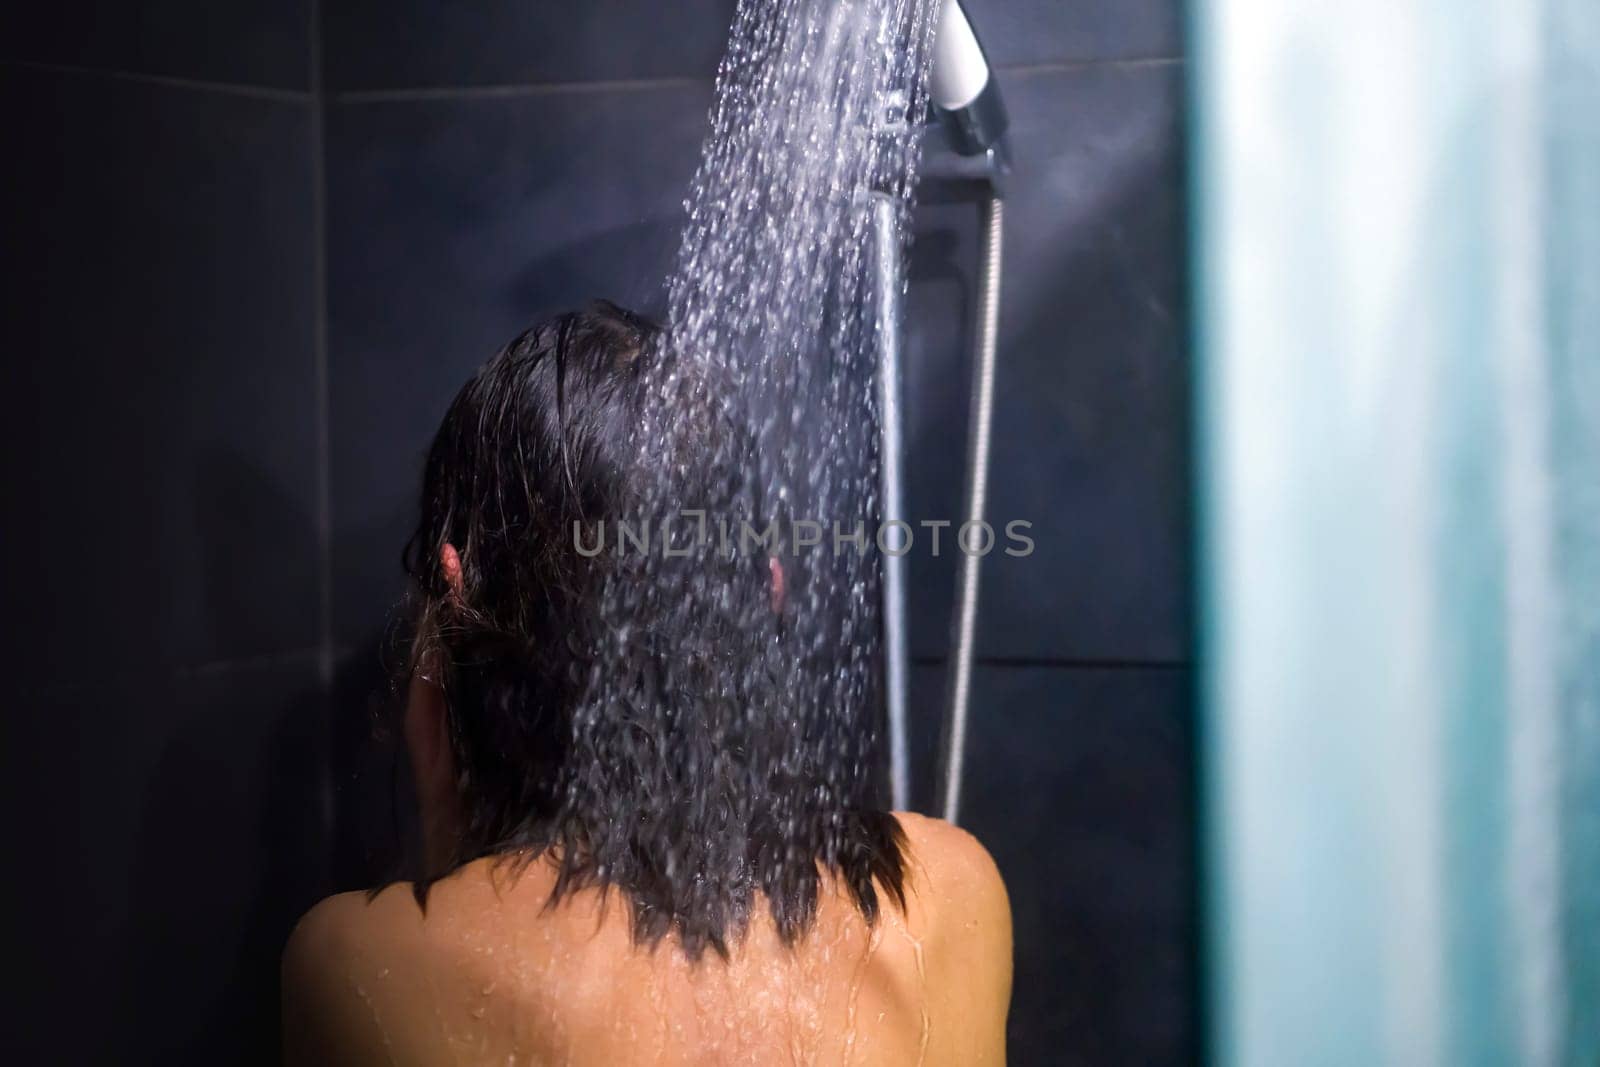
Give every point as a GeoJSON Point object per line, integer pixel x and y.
{"type": "Point", "coordinates": [450, 564]}
{"type": "Point", "coordinates": [779, 588]}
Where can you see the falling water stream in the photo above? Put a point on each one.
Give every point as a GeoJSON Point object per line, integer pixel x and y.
{"type": "Point", "coordinates": [771, 317]}
{"type": "Point", "coordinates": [761, 416]}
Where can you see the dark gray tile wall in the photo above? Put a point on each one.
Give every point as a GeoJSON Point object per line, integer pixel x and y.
{"type": "Point", "coordinates": [373, 45]}
{"type": "Point", "coordinates": [261, 43]}
{"type": "Point", "coordinates": [1090, 442]}
{"type": "Point", "coordinates": [1055, 32]}
{"type": "Point", "coordinates": [160, 240]}
{"type": "Point", "coordinates": [435, 43]}
{"type": "Point", "coordinates": [167, 749]}
{"type": "Point", "coordinates": [1079, 786]}
{"type": "Point", "coordinates": [185, 835]}
{"type": "Point", "coordinates": [1080, 756]}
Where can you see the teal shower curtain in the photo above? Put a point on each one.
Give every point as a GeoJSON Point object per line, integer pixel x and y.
{"type": "Point", "coordinates": [1397, 269]}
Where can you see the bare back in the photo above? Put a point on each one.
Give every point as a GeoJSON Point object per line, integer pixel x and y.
{"type": "Point", "coordinates": [490, 975]}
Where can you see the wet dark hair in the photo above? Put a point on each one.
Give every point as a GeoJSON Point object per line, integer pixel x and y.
{"type": "Point", "coordinates": [632, 722]}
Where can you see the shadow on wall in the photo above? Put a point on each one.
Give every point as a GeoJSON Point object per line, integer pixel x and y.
{"type": "Point", "coordinates": [229, 856]}
{"type": "Point", "coordinates": [371, 804]}
{"type": "Point", "coordinates": [231, 843]}
{"type": "Point", "coordinates": [374, 827]}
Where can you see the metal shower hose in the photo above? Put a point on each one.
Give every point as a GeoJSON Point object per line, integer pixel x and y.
{"type": "Point", "coordinates": [964, 619]}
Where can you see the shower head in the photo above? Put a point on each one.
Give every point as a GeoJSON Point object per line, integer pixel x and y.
{"type": "Point", "coordinates": [965, 94]}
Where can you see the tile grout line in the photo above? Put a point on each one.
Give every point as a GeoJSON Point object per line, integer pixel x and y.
{"type": "Point", "coordinates": [319, 95]}
{"type": "Point", "coordinates": [319, 345]}
{"type": "Point", "coordinates": [1068, 65]}
{"type": "Point", "coordinates": [326, 653]}
{"type": "Point", "coordinates": [255, 92]}
{"type": "Point", "coordinates": [218, 667]}
{"type": "Point", "coordinates": [1065, 663]}
{"type": "Point", "coordinates": [185, 672]}
{"type": "Point", "coordinates": [512, 90]}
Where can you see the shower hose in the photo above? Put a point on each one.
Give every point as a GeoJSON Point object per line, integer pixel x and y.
{"type": "Point", "coordinates": [964, 617]}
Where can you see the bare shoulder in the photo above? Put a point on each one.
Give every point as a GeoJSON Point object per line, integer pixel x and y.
{"type": "Point", "coordinates": [342, 926]}
{"type": "Point", "coordinates": [956, 896]}
{"type": "Point", "coordinates": [952, 863]}
{"type": "Point", "coordinates": [953, 880]}
{"type": "Point", "coordinates": [326, 1016]}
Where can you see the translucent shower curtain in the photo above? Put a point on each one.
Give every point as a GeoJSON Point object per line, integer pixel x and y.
{"type": "Point", "coordinates": [1397, 208]}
